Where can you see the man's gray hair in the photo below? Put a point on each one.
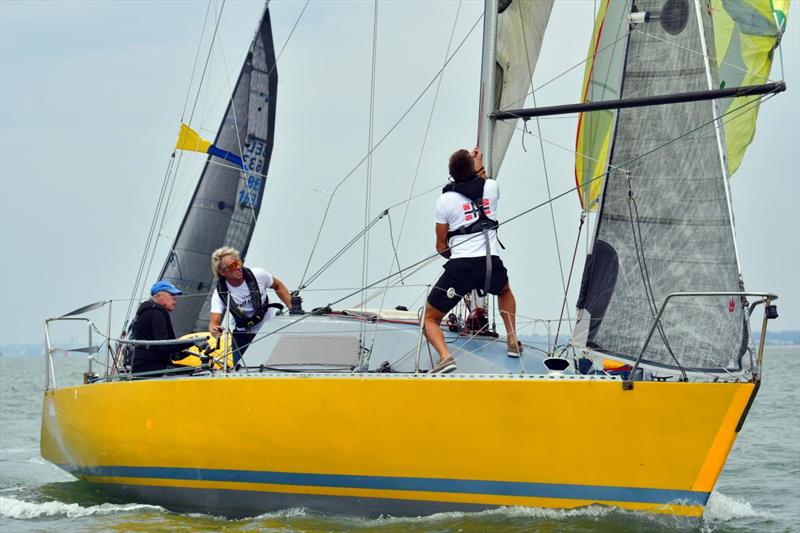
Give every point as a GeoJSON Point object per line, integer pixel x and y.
{"type": "Point", "coordinates": [217, 256]}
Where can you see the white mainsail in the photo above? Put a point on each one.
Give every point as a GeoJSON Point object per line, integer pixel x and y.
{"type": "Point", "coordinates": [513, 33]}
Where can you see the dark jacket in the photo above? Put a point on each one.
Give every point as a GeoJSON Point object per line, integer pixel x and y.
{"type": "Point", "coordinates": [152, 322]}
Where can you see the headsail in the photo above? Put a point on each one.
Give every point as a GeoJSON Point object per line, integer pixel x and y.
{"type": "Point", "coordinates": [517, 39]}
{"type": "Point", "coordinates": [746, 33]}
{"type": "Point", "coordinates": [227, 200]}
{"type": "Point", "coordinates": [665, 223]}
{"type": "Point", "coordinates": [602, 81]}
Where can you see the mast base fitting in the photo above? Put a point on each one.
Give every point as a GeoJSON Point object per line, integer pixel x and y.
{"type": "Point", "coordinates": [771, 311]}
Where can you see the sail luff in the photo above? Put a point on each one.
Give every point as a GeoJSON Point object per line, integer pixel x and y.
{"type": "Point", "coordinates": [595, 188]}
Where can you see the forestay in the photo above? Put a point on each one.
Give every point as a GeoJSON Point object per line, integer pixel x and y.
{"type": "Point", "coordinates": [665, 223]}
{"type": "Point", "coordinates": [227, 200]}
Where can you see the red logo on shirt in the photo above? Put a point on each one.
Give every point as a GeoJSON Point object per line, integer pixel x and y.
{"type": "Point", "coordinates": [471, 211]}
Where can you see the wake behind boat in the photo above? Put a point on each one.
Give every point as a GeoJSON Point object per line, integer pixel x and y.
{"type": "Point", "coordinates": [335, 409]}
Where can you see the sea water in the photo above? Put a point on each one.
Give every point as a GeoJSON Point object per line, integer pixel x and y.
{"type": "Point", "coordinates": [759, 489]}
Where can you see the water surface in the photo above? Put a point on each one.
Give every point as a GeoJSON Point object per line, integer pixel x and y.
{"type": "Point", "coordinates": [759, 489]}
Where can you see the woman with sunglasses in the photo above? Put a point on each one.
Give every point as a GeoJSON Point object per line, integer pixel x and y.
{"type": "Point", "coordinates": [246, 290]}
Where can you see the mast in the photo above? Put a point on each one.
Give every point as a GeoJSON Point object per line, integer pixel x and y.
{"type": "Point", "coordinates": [488, 81]}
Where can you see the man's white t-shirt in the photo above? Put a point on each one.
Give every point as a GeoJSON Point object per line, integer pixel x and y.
{"type": "Point", "coordinates": [456, 210]}
{"type": "Point", "coordinates": [241, 297]}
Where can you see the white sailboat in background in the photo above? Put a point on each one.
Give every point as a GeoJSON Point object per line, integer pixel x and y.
{"type": "Point", "coordinates": [333, 410]}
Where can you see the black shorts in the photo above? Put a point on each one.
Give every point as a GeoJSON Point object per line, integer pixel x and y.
{"type": "Point", "coordinates": [463, 275]}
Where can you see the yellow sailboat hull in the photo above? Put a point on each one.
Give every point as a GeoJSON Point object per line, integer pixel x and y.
{"type": "Point", "coordinates": [243, 445]}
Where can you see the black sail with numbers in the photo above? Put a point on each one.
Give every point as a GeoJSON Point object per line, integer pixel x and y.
{"type": "Point", "coordinates": [227, 200]}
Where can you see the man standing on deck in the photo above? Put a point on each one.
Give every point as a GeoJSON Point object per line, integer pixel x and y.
{"type": "Point", "coordinates": [152, 323]}
{"type": "Point", "coordinates": [466, 234]}
{"type": "Point", "coordinates": [246, 290]}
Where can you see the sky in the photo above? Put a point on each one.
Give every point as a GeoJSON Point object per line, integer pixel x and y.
{"type": "Point", "coordinates": [92, 95]}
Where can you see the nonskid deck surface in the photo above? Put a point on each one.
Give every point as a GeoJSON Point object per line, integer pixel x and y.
{"type": "Point", "coordinates": [336, 339]}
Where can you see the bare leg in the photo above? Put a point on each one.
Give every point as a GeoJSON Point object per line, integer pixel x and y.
{"type": "Point", "coordinates": [508, 311]}
{"type": "Point", "coordinates": [433, 331]}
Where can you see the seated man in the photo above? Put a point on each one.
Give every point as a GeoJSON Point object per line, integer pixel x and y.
{"type": "Point", "coordinates": [152, 322]}
{"type": "Point", "coordinates": [466, 234]}
{"type": "Point", "coordinates": [246, 288]}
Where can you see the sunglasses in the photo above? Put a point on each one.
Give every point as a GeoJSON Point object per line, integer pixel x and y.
{"type": "Point", "coordinates": [236, 265]}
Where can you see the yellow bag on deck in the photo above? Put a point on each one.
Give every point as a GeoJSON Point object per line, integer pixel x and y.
{"type": "Point", "coordinates": [218, 348]}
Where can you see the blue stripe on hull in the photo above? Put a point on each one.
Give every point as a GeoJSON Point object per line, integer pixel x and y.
{"type": "Point", "coordinates": [244, 503]}
{"type": "Point", "coordinates": [466, 486]}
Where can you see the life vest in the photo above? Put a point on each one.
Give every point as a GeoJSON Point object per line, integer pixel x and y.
{"type": "Point", "coordinates": [242, 319]}
{"type": "Point", "coordinates": [473, 189]}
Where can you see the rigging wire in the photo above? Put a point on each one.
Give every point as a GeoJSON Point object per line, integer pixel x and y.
{"type": "Point", "coordinates": [288, 37]}
{"type": "Point", "coordinates": [168, 177]}
{"type": "Point", "coordinates": [364, 354]}
{"type": "Point", "coordinates": [511, 219]}
{"type": "Point", "coordinates": [624, 36]}
{"type": "Point", "coordinates": [521, 100]}
{"type": "Point", "coordinates": [194, 64]}
{"type": "Point", "coordinates": [564, 282]}
{"type": "Point", "coordinates": [344, 249]}
{"type": "Point", "coordinates": [385, 212]}
{"type": "Point", "coordinates": [638, 244]}
{"type": "Point", "coordinates": [208, 59]}
{"type": "Point", "coordinates": [428, 125]}
{"type": "Point", "coordinates": [162, 206]}
{"type": "Point", "coordinates": [385, 290]}
{"type": "Point", "coordinates": [700, 53]}
{"type": "Point", "coordinates": [734, 114]}
{"type": "Point", "coordinates": [148, 242]}
{"type": "Point", "coordinates": [569, 280]}
{"type": "Point", "coordinates": [247, 172]}
{"type": "Point", "coordinates": [165, 204]}
{"type": "Point", "coordinates": [394, 246]}
{"type": "Point", "coordinates": [380, 141]}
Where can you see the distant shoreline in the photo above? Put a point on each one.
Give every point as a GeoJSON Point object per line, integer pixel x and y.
{"type": "Point", "coordinates": [792, 340]}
